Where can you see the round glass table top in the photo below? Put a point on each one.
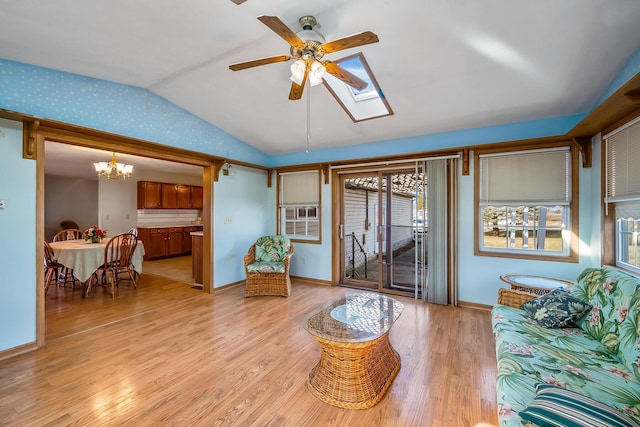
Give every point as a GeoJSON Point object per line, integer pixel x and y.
{"type": "Point", "coordinates": [534, 281]}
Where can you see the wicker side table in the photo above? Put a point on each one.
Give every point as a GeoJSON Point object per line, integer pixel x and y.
{"type": "Point", "coordinates": [357, 364]}
{"type": "Point", "coordinates": [538, 285]}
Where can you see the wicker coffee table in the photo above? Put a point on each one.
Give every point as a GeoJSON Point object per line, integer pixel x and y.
{"type": "Point", "coordinates": [357, 364]}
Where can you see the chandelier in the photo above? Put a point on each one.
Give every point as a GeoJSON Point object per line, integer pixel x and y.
{"type": "Point", "coordinates": [113, 169]}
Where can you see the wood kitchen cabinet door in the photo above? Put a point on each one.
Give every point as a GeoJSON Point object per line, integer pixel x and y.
{"type": "Point", "coordinates": [157, 243]}
{"type": "Point", "coordinates": [197, 198]}
{"type": "Point", "coordinates": [149, 195]}
{"type": "Point", "coordinates": [184, 196]}
{"type": "Point", "coordinates": [169, 196]}
{"type": "Point", "coordinates": [174, 241]}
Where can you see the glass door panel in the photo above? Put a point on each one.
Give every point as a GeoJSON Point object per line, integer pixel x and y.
{"type": "Point", "coordinates": [384, 237]}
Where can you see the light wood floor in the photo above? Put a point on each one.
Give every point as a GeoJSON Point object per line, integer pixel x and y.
{"type": "Point", "coordinates": [168, 354]}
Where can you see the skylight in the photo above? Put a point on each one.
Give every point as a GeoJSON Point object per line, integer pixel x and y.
{"type": "Point", "coordinates": [369, 103]}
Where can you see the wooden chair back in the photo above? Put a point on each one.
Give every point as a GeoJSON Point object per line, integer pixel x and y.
{"type": "Point", "coordinates": [68, 234]}
{"type": "Point", "coordinates": [119, 251]}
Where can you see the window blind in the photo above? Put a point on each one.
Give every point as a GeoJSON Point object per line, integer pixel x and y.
{"type": "Point", "coordinates": [541, 177]}
{"type": "Point", "coordinates": [623, 163]}
{"type": "Point", "coordinates": [300, 188]}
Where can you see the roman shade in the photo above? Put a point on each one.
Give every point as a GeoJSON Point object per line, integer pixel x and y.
{"type": "Point", "coordinates": [622, 163]}
{"type": "Point", "coordinates": [541, 177]}
{"type": "Point", "coordinates": [300, 189]}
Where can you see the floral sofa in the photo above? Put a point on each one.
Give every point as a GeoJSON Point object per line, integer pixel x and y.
{"type": "Point", "coordinates": [266, 266]}
{"type": "Point", "coordinates": [597, 355]}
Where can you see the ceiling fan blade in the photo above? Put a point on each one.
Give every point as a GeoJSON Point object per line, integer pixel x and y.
{"type": "Point", "coordinates": [355, 40]}
{"type": "Point", "coordinates": [296, 90]}
{"type": "Point", "coordinates": [344, 75]}
{"type": "Point", "coordinates": [278, 27]}
{"type": "Point", "coordinates": [258, 62]}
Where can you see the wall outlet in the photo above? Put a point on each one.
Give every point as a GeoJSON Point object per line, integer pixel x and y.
{"type": "Point", "coordinates": [304, 260]}
{"type": "Point", "coordinates": [232, 255]}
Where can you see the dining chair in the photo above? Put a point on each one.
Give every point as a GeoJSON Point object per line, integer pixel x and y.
{"type": "Point", "coordinates": [68, 224]}
{"type": "Point", "coordinates": [68, 234]}
{"type": "Point", "coordinates": [66, 274]}
{"type": "Point", "coordinates": [118, 255]}
{"type": "Point", "coordinates": [52, 267]}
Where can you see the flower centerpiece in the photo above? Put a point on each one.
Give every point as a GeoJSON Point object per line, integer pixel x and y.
{"type": "Point", "coordinates": [95, 234]}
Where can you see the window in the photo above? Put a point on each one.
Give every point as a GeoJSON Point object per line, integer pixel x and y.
{"type": "Point", "coordinates": [365, 104]}
{"type": "Point", "coordinates": [622, 152]}
{"type": "Point", "coordinates": [524, 200]}
{"type": "Point", "coordinates": [299, 204]}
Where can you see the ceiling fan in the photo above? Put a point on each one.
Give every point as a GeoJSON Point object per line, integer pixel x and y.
{"type": "Point", "coordinates": [308, 47]}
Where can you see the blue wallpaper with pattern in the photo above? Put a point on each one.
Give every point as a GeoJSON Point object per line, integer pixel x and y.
{"type": "Point", "coordinates": [115, 108]}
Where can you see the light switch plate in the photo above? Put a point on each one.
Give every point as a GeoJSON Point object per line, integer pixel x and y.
{"type": "Point", "coordinates": [3, 204]}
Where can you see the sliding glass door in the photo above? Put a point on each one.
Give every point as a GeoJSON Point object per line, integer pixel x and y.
{"type": "Point", "coordinates": [384, 230]}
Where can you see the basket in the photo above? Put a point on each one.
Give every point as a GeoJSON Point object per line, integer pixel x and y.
{"type": "Point", "coordinates": [514, 298]}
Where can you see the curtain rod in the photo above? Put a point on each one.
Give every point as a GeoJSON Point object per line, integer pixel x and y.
{"type": "Point", "coordinates": [391, 162]}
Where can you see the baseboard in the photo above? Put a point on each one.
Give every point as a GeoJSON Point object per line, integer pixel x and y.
{"type": "Point", "coordinates": [15, 351]}
{"type": "Point", "coordinates": [312, 281]}
{"type": "Point", "coordinates": [475, 306]}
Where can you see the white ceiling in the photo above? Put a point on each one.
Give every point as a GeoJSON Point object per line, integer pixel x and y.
{"type": "Point", "coordinates": [75, 161]}
{"type": "Point", "coordinates": [443, 65]}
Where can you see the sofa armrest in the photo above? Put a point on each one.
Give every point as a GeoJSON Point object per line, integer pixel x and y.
{"type": "Point", "coordinates": [514, 298]}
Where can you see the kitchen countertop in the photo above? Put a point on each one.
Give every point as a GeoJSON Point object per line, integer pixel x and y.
{"type": "Point", "coordinates": [168, 226]}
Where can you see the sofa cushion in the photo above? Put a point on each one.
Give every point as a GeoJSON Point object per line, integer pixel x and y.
{"type": "Point", "coordinates": [272, 248]}
{"type": "Point", "coordinates": [266, 267]}
{"type": "Point", "coordinates": [629, 339]}
{"type": "Point", "coordinates": [611, 293]}
{"type": "Point", "coordinates": [529, 354]}
{"type": "Point", "coordinates": [556, 309]}
{"type": "Point", "coordinates": [559, 407]}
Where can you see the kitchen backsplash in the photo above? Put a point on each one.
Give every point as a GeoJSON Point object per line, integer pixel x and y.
{"type": "Point", "coordinates": [158, 217]}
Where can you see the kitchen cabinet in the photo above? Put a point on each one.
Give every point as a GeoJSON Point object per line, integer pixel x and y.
{"type": "Point", "coordinates": [162, 242]}
{"type": "Point", "coordinates": [162, 195]}
{"type": "Point", "coordinates": [149, 195]}
{"type": "Point", "coordinates": [197, 201]}
{"type": "Point", "coordinates": [169, 196]}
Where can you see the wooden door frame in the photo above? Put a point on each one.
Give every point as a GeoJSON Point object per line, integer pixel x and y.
{"type": "Point", "coordinates": [35, 133]}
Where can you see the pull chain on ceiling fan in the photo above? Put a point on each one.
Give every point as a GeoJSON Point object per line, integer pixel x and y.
{"type": "Point", "coordinates": [308, 48]}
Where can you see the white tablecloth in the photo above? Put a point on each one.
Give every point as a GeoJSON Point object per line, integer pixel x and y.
{"type": "Point", "coordinates": [85, 257]}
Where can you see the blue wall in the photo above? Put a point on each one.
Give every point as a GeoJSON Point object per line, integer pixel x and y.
{"type": "Point", "coordinates": [17, 240]}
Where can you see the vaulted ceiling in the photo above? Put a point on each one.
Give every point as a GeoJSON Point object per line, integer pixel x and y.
{"type": "Point", "coordinates": [443, 65]}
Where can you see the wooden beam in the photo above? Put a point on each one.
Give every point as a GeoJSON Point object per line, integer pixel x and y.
{"type": "Point", "coordinates": [30, 139]}
{"type": "Point", "coordinates": [465, 161]}
{"type": "Point", "coordinates": [585, 145]}
{"type": "Point", "coordinates": [633, 95]}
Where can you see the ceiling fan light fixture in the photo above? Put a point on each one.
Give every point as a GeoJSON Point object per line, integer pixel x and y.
{"type": "Point", "coordinates": [316, 73]}
{"type": "Point", "coordinates": [297, 71]}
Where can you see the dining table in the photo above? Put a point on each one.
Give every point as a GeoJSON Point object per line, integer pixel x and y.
{"type": "Point", "coordinates": [85, 257]}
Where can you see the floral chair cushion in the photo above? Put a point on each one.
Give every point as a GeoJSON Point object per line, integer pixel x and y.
{"type": "Point", "coordinates": [556, 309]}
{"type": "Point", "coordinates": [611, 293]}
{"type": "Point", "coordinates": [266, 267]}
{"type": "Point", "coordinates": [272, 248]}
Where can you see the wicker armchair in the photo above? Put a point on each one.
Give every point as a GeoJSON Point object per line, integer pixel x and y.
{"type": "Point", "coordinates": [514, 298]}
{"type": "Point", "coordinates": [266, 265]}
